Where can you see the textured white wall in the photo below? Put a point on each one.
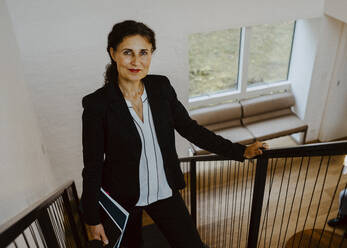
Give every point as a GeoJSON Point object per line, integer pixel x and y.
{"type": "Point", "coordinates": [25, 172]}
{"type": "Point", "coordinates": [313, 61]}
{"type": "Point", "coordinates": [317, 99]}
{"type": "Point", "coordinates": [334, 121]}
{"type": "Point", "coordinates": [62, 45]}
{"type": "Point", "coordinates": [302, 63]}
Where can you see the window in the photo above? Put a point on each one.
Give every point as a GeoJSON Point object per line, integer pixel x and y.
{"type": "Point", "coordinates": [239, 63]}
{"type": "Point", "coordinates": [213, 60]}
{"type": "Point", "coordinates": [270, 49]}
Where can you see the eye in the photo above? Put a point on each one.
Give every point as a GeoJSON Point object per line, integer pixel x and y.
{"type": "Point", "coordinates": [144, 52]}
{"type": "Point", "coordinates": [127, 52]}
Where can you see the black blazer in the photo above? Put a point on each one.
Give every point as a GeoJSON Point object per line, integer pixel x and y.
{"type": "Point", "coordinates": [112, 145]}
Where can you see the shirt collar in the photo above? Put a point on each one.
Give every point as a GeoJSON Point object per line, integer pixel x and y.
{"type": "Point", "coordinates": [143, 97]}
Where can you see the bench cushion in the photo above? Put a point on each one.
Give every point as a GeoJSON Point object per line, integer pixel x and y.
{"type": "Point", "coordinates": [266, 104]}
{"type": "Point", "coordinates": [266, 116]}
{"type": "Point", "coordinates": [224, 125]}
{"type": "Point", "coordinates": [276, 127]}
{"type": "Point", "coordinates": [217, 114]}
{"type": "Point", "coordinates": [236, 134]}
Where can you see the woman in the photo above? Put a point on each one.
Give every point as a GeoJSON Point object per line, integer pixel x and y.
{"type": "Point", "coordinates": [129, 143]}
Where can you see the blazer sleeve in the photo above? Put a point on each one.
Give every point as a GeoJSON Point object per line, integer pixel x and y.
{"type": "Point", "coordinates": [200, 135]}
{"type": "Point", "coordinates": [93, 157]}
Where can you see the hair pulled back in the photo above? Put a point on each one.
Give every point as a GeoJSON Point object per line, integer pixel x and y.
{"type": "Point", "coordinates": [116, 36]}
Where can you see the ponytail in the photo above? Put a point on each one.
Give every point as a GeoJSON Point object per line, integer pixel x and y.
{"type": "Point", "coordinates": [111, 74]}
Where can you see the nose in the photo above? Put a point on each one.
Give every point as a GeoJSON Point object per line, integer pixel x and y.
{"type": "Point", "coordinates": [135, 60]}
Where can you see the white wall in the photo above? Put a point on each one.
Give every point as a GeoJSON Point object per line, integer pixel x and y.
{"type": "Point", "coordinates": [313, 61]}
{"type": "Point", "coordinates": [328, 40]}
{"type": "Point", "coordinates": [62, 46]}
{"type": "Point", "coordinates": [334, 122]}
{"type": "Point", "coordinates": [302, 62]}
{"type": "Point", "coordinates": [25, 172]}
{"type": "Point", "coordinates": [336, 9]}
{"type": "Point", "coordinates": [304, 51]}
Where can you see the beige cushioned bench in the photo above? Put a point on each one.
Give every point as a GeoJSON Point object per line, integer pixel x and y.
{"type": "Point", "coordinates": [260, 118]}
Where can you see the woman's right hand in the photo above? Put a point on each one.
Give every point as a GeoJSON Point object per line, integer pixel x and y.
{"type": "Point", "coordinates": [97, 232]}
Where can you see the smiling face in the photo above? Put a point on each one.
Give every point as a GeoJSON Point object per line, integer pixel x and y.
{"type": "Point", "coordinates": [133, 57]}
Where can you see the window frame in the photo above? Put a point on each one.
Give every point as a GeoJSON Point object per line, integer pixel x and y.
{"type": "Point", "coordinates": [242, 91]}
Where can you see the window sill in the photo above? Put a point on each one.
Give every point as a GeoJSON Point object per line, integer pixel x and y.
{"type": "Point", "coordinates": [236, 95]}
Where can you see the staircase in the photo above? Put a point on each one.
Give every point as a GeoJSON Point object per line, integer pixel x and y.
{"type": "Point", "coordinates": [269, 201]}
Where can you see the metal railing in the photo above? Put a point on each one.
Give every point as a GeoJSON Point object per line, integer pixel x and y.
{"type": "Point", "coordinates": [54, 222]}
{"type": "Point", "coordinates": [283, 198]}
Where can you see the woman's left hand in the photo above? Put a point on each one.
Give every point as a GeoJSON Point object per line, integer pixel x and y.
{"type": "Point", "coordinates": [255, 149]}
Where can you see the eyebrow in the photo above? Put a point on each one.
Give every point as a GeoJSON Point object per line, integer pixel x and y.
{"type": "Point", "coordinates": [132, 49]}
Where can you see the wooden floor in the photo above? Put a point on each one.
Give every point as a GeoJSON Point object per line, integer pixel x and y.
{"type": "Point", "coordinates": [291, 203]}
{"type": "Point", "coordinates": [316, 238]}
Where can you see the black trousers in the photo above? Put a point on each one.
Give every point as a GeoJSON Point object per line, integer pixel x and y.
{"type": "Point", "coordinates": [173, 220]}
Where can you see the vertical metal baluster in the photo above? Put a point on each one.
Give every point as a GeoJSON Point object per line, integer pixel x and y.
{"type": "Point", "coordinates": [266, 211]}
{"type": "Point", "coordinates": [244, 206]}
{"type": "Point", "coordinates": [47, 230]}
{"type": "Point", "coordinates": [25, 239]}
{"type": "Point", "coordinates": [189, 188]}
{"type": "Point", "coordinates": [285, 202]}
{"type": "Point", "coordinates": [193, 189]}
{"type": "Point", "coordinates": [278, 199]}
{"type": "Point", "coordinates": [227, 204]}
{"type": "Point", "coordinates": [83, 227]}
{"type": "Point", "coordinates": [34, 236]}
{"type": "Point", "coordinates": [250, 196]}
{"type": "Point", "coordinates": [205, 199]}
{"type": "Point", "coordinates": [237, 214]}
{"type": "Point", "coordinates": [220, 187]}
{"type": "Point", "coordinates": [66, 227]}
{"type": "Point", "coordinates": [319, 201]}
{"type": "Point", "coordinates": [60, 222]}
{"type": "Point", "coordinates": [240, 209]}
{"type": "Point", "coordinates": [243, 197]}
{"type": "Point", "coordinates": [54, 223]}
{"type": "Point", "coordinates": [240, 177]}
{"type": "Point", "coordinates": [73, 226]}
{"type": "Point", "coordinates": [214, 203]}
{"type": "Point", "coordinates": [309, 206]}
{"type": "Point", "coordinates": [302, 195]}
{"type": "Point", "coordinates": [291, 207]}
{"type": "Point", "coordinates": [41, 234]}
{"type": "Point", "coordinates": [234, 200]}
{"type": "Point", "coordinates": [198, 197]}
{"type": "Point", "coordinates": [257, 202]}
{"type": "Point", "coordinates": [208, 202]}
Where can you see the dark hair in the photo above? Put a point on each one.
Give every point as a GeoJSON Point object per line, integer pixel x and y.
{"type": "Point", "coordinates": [116, 36]}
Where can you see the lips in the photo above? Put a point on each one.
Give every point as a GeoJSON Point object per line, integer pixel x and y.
{"type": "Point", "coordinates": [134, 70]}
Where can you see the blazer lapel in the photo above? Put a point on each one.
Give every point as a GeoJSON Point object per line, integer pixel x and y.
{"type": "Point", "coordinates": [155, 102]}
{"type": "Point", "coordinates": [120, 108]}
